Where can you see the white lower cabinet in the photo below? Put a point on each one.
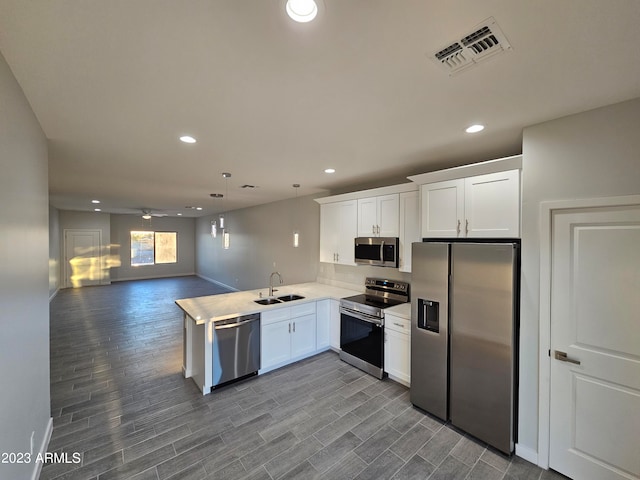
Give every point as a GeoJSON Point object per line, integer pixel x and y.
{"type": "Point", "coordinates": [303, 336]}
{"type": "Point", "coordinates": [328, 318]}
{"type": "Point", "coordinates": [323, 324]}
{"type": "Point", "coordinates": [334, 324]}
{"type": "Point", "coordinates": [275, 344]}
{"type": "Point", "coordinates": [287, 334]}
{"type": "Point", "coordinates": [397, 348]}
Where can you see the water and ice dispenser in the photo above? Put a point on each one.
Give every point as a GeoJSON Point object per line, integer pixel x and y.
{"type": "Point", "coordinates": [428, 315]}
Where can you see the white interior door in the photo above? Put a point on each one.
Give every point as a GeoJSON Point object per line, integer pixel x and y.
{"type": "Point", "coordinates": [83, 258]}
{"type": "Point", "coordinates": [595, 319]}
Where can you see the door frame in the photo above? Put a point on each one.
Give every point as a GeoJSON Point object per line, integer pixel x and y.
{"type": "Point", "coordinates": [65, 281]}
{"type": "Point", "coordinates": [547, 210]}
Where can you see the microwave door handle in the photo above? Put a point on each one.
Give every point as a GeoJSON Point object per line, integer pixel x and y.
{"type": "Point", "coordinates": [382, 250]}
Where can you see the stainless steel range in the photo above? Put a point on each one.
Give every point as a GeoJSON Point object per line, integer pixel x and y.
{"type": "Point", "coordinates": [362, 323]}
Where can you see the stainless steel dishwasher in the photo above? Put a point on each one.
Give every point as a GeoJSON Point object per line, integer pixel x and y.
{"type": "Point", "coordinates": [236, 348]}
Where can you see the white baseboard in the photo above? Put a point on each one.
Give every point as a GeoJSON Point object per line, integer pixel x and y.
{"type": "Point", "coordinates": [217, 282]}
{"type": "Point", "coordinates": [43, 449]}
{"type": "Point", "coordinates": [151, 277]}
{"type": "Point", "coordinates": [52, 296]}
{"type": "Point", "coordinates": [527, 453]}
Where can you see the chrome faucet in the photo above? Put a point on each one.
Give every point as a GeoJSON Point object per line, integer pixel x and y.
{"type": "Point", "coordinates": [271, 290]}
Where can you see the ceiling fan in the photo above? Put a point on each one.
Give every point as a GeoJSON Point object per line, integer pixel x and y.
{"type": "Point", "coordinates": [148, 213]}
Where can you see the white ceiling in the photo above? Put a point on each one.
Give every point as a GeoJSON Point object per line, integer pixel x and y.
{"type": "Point", "coordinates": [115, 83]}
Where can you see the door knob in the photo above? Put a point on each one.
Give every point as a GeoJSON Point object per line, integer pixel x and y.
{"type": "Point", "coordinates": [562, 356]}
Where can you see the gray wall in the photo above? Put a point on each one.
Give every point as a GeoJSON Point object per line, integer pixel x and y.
{"type": "Point", "coordinates": [54, 251]}
{"type": "Point", "coordinates": [261, 242]}
{"type": "Point", "coordinates": [592, 154]}
{"type": "Point", "coordinates": [24, 289]}
{"type": "Point", "coordinates": [121, 225]}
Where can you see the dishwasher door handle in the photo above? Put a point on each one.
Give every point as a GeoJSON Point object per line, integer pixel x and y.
{"type": "Point", "coordinates": [237, 324]}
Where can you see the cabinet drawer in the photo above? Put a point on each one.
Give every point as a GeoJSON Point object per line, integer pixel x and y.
{"type": "Point", "coordinates": [275, 315]}
{"type": "Point", "coordinates": [308, 308]}
{"type": "Point", "coordinates": [397, 324]}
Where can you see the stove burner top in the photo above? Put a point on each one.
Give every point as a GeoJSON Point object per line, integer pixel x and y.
{"type": "Point", "coordinates": [380, 294]}
{"type": "Point", "coordinates": [373, 301]}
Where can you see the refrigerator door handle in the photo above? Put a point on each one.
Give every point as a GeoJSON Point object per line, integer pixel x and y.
{"type": "Point", "coordinates": [562, 356]}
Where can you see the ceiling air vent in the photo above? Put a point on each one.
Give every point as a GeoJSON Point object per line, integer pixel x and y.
{"type": "Point", "coordinates": [485, 41]}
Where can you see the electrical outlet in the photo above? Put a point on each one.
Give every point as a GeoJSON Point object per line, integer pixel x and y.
{"type": "Point", "coordinates": [32, 439]}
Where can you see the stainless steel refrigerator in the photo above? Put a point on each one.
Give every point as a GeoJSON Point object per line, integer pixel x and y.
{"type": "Point", "coordinates": [464, 327]}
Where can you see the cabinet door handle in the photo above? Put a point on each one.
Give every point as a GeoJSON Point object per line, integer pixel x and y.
{"type": "Point", "coordinates": [289, 327]}
{"type": "Point", "coordinates": [562, 356]}
{"type": "Point", "coordinates": [398, 325]}
{"type": "Point", "coordinates": [466, 227]}
{"type": "Point", "coordinates": [294, 327]}
{"type": "Point", "coordinates": [458, 228]}
{"type": "Point", "coordinates": [373, 229]}
{"type": "Point", "coordinates": [378, 229]}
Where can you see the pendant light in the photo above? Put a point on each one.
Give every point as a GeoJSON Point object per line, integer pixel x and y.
{"type": "Point", "coordinates": [296, 233]}
{"type": "Point", "coordinates": [214, 225]}
{"type": "Point", "coordinates": [226, 240]}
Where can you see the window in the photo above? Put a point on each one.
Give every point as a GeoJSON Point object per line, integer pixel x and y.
{"type": "Point", "coordinates": [153, 248]}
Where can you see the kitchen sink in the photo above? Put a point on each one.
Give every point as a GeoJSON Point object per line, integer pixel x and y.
{"type": "Point", "coordinates": [267, 301]}
{"type": "Point", "coordinates": [291, 296]}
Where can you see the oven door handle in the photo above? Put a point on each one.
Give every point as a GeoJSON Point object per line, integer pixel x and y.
{"type": "Point", "coordinates": [362, 316]}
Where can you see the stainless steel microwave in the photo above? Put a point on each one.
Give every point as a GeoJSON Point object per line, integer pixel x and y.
{"type": "Point", "coordinates": [378, 251]}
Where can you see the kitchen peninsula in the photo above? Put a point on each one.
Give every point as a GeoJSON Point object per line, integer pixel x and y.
{"type": "Point", "coordinates": [289, 330]}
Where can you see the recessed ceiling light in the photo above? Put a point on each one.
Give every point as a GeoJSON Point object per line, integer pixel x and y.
{"type": "Point", "coordinates": [187, 139]}
{"type": "Point", "coordinates": [302, 11]}
{"type": "Point", "coordinates": [198, 208]}
{"type": "Point", "coordinates": [330, 170]}
{"type": "Point", "coordinates": [179, 214]}
{"type": "Point", "coordinates": [95, 201]}
{"type": "Point", "coordinates": [97, 209]}
{"type": "Point", "coordinates": [474, 128]}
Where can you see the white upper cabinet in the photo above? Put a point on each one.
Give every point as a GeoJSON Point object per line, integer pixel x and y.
{"type": "Point", "coordinates": [492, 205]}
{"type": "Point", "coordinates": [442, 208]}
{"type": "Point", "coordinates": [367, 213]}
{"type": "Point", "coordinates": [409, 227]}
{"type": "Point", "coordinates": [479, 206]}
{"type": "Point", "coordinates": [379, 216]}
{"type": "Point", "coordinates": [338, 228]}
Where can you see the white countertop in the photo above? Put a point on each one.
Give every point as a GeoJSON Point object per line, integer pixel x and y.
{"type": "Point", "coordinates": [403, 310]}
{"type": "Point", "coordinates": [228, 305]}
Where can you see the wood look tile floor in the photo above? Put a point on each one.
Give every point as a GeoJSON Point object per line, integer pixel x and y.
{"type": "Point", "coordinates": [118, 398]}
